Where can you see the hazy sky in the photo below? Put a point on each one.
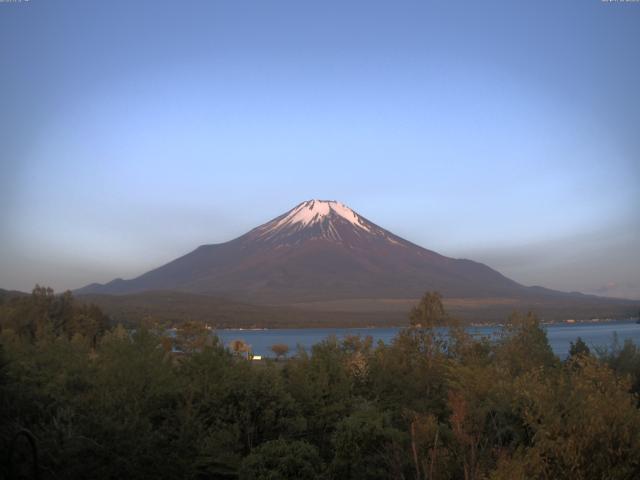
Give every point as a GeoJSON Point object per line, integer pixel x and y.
{"type": "Point", "coordinates": [505, 132]}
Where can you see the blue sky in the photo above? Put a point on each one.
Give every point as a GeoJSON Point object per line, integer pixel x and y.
{"type": "Point", "coordinates": [506, 132]}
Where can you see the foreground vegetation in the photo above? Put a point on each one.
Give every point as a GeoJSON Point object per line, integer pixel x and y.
{"type": "Point", "coordinates": [95, 401]}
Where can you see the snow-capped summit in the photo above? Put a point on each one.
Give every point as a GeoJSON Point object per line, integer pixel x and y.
{"type": "Point", "coordinates": [320, 219]}
{"type": "Point", "coordinates": [316, 211]}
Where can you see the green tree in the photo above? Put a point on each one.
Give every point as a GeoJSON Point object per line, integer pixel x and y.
{"type": "Point", "coordinates": [192, 337]}
{"type": "Point", "coordinates": [523, 345]}
{"type": "Point", "coordinates": [410, 373]}
{"type": "Point", "coordinates": [323, 386]}
{"type": "Point", "coordinates": [578, 348]}
{"type": "Point", "coordinates": [484, 423]}
{"type": "Point", "coordinates": [231, 406]}
{"type": "Point", "coordinates": [128, 416]}
{"type": "Point", "coordinates": [583, 423]}
{"type": "Point", "coordinates": [282, 460]}
{"type": "Point", "coordinates": [364, 444]}
{"type": "Point", "coordinates": [429, 312]}
{"type": "Point", "coordinates": [625, 362]}
{"type": "Point", "coordinates": [45, 313]}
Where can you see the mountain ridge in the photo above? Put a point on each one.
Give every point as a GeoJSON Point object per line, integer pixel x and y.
{"type": "Point", "coordinates": [321, 250]}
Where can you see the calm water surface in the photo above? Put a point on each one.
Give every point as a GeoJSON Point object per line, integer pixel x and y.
{"type": "Point", "coordinates": [594, 334]}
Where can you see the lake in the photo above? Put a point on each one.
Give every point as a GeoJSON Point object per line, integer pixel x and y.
{"type": "Point", "coordinates": [560, 335]}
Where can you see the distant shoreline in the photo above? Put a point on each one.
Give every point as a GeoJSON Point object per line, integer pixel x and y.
{"type": "Point", "coordinates": [470, 325]}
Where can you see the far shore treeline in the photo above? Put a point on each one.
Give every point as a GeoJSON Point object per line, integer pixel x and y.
{"type": "Point", "coordinates": [82, 398]}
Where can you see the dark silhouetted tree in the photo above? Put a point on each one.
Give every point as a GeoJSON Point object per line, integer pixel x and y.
{"type": "Point", "coordinates": [578, 348]}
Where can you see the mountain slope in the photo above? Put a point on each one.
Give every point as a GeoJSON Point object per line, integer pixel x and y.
{"type": "Point", "coordinates": [321, 250]}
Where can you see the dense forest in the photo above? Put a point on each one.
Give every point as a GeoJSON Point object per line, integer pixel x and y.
{"type": "Point", "coordinates": [82, 398]}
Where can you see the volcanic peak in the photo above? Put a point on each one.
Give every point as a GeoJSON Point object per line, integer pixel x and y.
{"type": "Point", "coordinates": [316, 211]}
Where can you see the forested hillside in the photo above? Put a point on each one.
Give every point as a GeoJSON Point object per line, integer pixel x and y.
{"type": "Point", "coordinates": [82, 399]}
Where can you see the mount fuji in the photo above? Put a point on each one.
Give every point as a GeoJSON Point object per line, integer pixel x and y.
{"type": "Point", "coordinates": [323, 251]}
